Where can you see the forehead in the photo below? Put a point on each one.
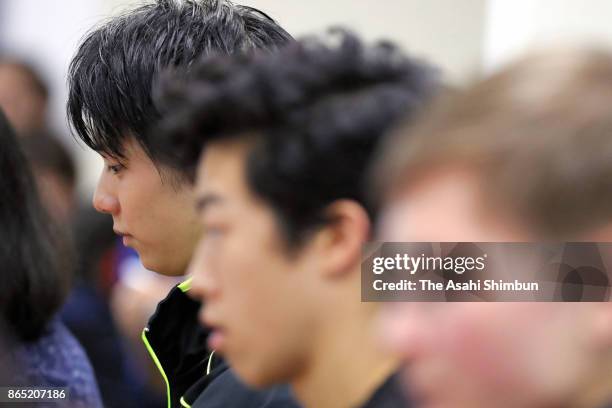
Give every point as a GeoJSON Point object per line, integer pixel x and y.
{"type": "Point", "coordinates": [222, 167]}
{"type": "Point", "coordinates": [139, 162]}
{"type": "Point", "coordinates": [448, 204]}
{"type": "Point", "coordinates": [129, 147]}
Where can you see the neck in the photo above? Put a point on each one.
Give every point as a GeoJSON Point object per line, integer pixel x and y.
{"type": "Point", "coordinates": [347, 365]}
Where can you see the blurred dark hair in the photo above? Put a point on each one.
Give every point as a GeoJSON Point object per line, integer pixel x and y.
{"type": "Point", "coordinates": [44, 150]}
{"type": "Point", "coordinates": [113, 71]}
{"type": "Point", "coordinates": [7, 371]}
{"type": "Point", "coordinates": [33, 281]}
{"type": "Point", "coordinates": [317, 112]}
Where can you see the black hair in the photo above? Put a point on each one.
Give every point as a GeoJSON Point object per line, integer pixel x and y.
{"type": "Point", "coordinates": [318, 111]}
{"type": "Point", "coordinates": [112, 74]}
{"type": "Point", "coordinates": [33, 282]}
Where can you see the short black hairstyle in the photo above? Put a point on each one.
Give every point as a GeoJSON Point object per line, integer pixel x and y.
{"type": "Point", "coordinates": [319, 109]}
{"type": "Point", "coordinates": [112, 74]}
{"type": "Point", "coordinates": [33, 281]}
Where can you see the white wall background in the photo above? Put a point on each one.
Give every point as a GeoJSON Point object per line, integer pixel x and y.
{"type": "Point", "coordinates": [447, 32]}
{"type": "Point", "coordinates": [515, 27]}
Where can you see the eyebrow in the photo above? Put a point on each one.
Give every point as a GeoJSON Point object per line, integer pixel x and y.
{"type": "Point", "coordinates": [206, 200]}
{"type": "Point", "coordinates": [107, 157]}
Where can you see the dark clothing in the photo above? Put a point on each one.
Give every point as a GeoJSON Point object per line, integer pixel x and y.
{"type": "Point", "coordinates": [389, 395]}
{"type": "Point", "coordinates": [215, 395]}
{"type": "Point", "coordinates": [195, 377]}
{"type": "Point", "coordinates": [87, 315]}
{"type": "Point", "coordinates": [56, 360]}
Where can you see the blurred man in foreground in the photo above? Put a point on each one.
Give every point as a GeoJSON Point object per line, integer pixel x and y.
{"type": "Point", "coordinates": [525, 155]}
{"type": "Point", "coordinates": [286, 142]}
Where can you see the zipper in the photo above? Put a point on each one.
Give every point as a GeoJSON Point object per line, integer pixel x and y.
{"type": "Point", "coordinates": [157, 363]}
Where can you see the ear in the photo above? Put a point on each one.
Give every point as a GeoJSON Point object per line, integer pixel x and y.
{"type": "Point", "coordinates": [340, 242]}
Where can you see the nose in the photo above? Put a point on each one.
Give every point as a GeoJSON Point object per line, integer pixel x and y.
{"type": "Point", "coordinates": [103, 200]}
{"type": "Point", "coordinates": [203, 284]}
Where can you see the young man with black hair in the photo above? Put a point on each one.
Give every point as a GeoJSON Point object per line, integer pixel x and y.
{"type": "Point", "coordinates": [111, 109]}
{"type": "Point", "coordinates": [285, 143]}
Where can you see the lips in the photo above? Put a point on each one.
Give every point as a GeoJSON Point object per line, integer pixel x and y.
{"type": "Point", "coordinates": [216, 340]}
{"type": "Point", "coordinates": [121, 233]}
{"type": "Point", "coordinates": [126, 237]}
{"type": "Point", "coordinates": [217, 337]}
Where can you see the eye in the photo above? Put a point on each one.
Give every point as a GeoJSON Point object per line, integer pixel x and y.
{"type": "Point", "coordinates": [115, 168]}
{"type": "Point", "coordinates": [212, 232]}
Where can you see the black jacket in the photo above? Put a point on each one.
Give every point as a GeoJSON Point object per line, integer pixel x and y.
{"type": "Point", "coordinates": [389, 395]}
{"type": "Point", "coordinates": [195, 376]}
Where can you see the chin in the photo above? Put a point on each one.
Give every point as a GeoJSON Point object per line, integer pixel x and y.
{"type": "Point", "coordinates": [252, 377]}
{"type": "Point", "coordinates": [257, 381]}
{"type": "Point", "coordinates": [154, 265]}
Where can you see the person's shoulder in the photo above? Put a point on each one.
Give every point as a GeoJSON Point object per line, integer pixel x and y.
{"type": "Point", "coordinates": [58, 360]}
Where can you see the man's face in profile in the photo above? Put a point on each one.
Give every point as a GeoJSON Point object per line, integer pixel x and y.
{"type": "Point", "coordinates": [482, 354]}
{"type": "Point", "coordinates": [258, 297]}
{"type": "Point", "coordinates": [153, 215]}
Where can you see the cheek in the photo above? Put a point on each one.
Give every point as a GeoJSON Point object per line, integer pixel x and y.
{"type": "Point", "coordinates": [261, 320]}
{"type": "Point", "coordinates": [148, 203]}
{"type": "Point", "coordinates": [473, 345]}
{"type": "Point", "coordinates": [255, 295]}
{"type": "Point", "coordinates": [246, 279]}
{"type": "Point", "coordinates": [489, 344]}
{"type": "Point", "coordinates": [479, 353]}
{"type": "Point", "coordinates": [136, 207]}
